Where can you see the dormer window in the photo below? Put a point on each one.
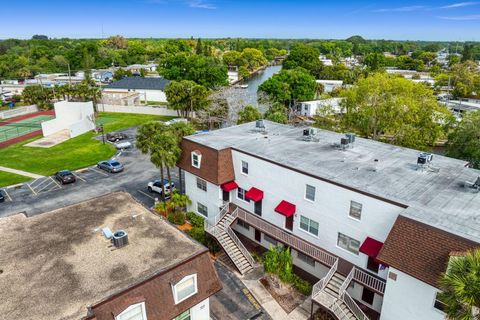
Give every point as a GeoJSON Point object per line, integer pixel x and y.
{"type": "Point", "coordinates": [185, 288]}
{"type": "Point", "coordinates": [196, 159]}
{"type": "Point", "coordinates": [135, 311]}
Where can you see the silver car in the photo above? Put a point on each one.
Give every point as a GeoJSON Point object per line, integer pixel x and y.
{"type": "Point", "coordinates": [112, 166]}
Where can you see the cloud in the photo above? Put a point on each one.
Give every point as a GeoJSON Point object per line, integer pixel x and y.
{"type": "Point", "coordinates": [199, 4]}
{"type": "Point", "coordinates": [459, 5]}
{"type": "Point", "coordinates": [401, 9]}
{"type": "Point", "coordinates": [462, 18]}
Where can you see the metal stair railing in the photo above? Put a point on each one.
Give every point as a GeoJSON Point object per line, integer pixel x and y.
{"type": "Point", "coordinates": [353, 306]}
{"type": "Point", "coordinates": [241, 247]}
{"type": "Point", "coordinates": [322, 283]}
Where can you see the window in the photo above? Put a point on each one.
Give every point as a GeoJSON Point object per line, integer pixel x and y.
{"type": "Point", "coordinates": [245, 167]}
{"type": "Point", "coordinates": [310, 193]}
{"type": "Point", "coordinates": [309, 225]}
{"type": "Point", "coordinates": [202, 209]}
{"type": "Point", "coordinates": [372, 265]}
{"type": "Point", "coordinates": [133, 312]}
{"type": "Point", "coordinates": [355, 210]}
{"type": "Point", "coordinates": [184, 316]}
{"type": "Point", "coordinates": [196, 159]}
{"type": "Point", "coordinates": [439, 304]}
{"type": "Point", "coordinates": [347, 243]}
{"type": "Point", "coordinates": [185, 288]}
{"type": "Point", "coordinates": [201, 184]}
{"type": "Point", "coordinates": [241, 194]}
{"type": "Point", "coordinates": [368, 295]}
{"type": "Point", "coordinates": [270, 239]}
{"type": "Point", "coordinates": [308, 260]}
{"type": "Point", "coordinates": [243, 224]}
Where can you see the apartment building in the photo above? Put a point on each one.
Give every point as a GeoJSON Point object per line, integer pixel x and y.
{"type": "Point", "coordinates": [104, 259]}
{"type": "Point", "coordinates": [375, 223]}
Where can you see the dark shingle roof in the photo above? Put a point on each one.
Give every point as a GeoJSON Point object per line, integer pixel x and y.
{"type": "Point", "coordinates": [420, 250]}
{"type": "Point", "coordinates": [139, 83]}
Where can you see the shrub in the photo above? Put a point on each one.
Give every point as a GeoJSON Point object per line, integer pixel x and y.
{"type": "Point", "coordinates": [195, 220]}
{"type": "Point", "coordinates": [302, 285]}
{"type": "Point", "coordinates": [279, 261]}
{"type": "Point", "coordinates": [198, 234]}
{"type": "Point", "coordinates": [177, 218]}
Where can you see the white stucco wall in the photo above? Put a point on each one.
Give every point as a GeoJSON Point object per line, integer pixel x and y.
{"type": "Point", "coordinates": [212, 198]}
{"type": "Point", "coordinates": [149, 95]}
{"type": "Point", "coordinates": [409, 298]}
{"type": "Point", "coordinates": [72, 116]}
{"type": "Point", "coordinates": [201, 311]}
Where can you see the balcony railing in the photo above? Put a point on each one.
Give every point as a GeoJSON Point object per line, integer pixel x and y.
{"type": "Point", "coordinates": [287, 238]}
{"type": "Point", "coordinates": [369, 280]}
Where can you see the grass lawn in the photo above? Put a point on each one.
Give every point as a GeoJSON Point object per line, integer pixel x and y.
{"type": "Point", "coordinates": [75, 153]}
{"type": "Point", "coordinates": [7, 178]}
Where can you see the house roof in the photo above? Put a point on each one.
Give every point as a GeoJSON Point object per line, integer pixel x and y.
{"type": "Point", "coordinates": [139, 83]}
{"type": "Point", "coordinates": [58, 263]}
{"type": "Point", "coordinates": [435, 195]}
{"type": "Point", "coordinates": [421, 251]}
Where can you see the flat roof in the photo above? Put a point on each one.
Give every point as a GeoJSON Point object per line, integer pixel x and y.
{"type": "Point", "coordinates": [54, 265]}
{"type": "Point", "coordinates": [435, 196]}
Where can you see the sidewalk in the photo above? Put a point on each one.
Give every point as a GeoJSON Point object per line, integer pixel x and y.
{"type": "Point", "coordinates": [20, 172]}
{"type": "Point", "coordinates": [251, 281]}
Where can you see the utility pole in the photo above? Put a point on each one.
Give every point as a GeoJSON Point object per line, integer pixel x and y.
{"type": "Point", "coordinates": [69, 75]}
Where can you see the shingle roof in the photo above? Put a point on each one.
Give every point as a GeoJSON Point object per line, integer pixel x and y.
{"type": "Point", "coordinates": [139, 83]}
{"type": "Point", "coordinates": [420, 250]}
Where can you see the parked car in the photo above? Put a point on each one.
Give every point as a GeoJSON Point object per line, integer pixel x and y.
{"type": "Point", "coordinates": [116, 136]}
{"type": "Point", "coordinates": [2, 196]}
{"type": "Point", "coordinates": [110, 166]}
{"type": "Point", "coordinates": [123, 145]}
{"type": "Point", "coordinates": [176, 120]}
{"type": "Point", "coordinates": [156, 186]}
{"type": "Point", "coordinates": [65, 176]}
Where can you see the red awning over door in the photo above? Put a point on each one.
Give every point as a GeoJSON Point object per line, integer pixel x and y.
{"type": "Point", "coordinates": [286, 208]}
{"type": "Point", "coordinates": [254, 194]}
{"type": "Point", "coordinates": [371, 247]}
{"type": "Point", "coordinates": [229, 186]}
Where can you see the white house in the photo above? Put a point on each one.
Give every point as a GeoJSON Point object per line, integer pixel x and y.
{"type": "Point", "coordinates": [150, 89]}
{"type": "Point", "coordinates": [74, 117]}
{"type": "Point", "coordinates": [330, 85]}
{"type": "Point", "coordinates": [375, 222]}
{"type": "Point", "coordinates": [310, 108]}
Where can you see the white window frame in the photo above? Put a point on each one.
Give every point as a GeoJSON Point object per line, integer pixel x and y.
{"type": "Point", "coordinates": [201, 182]}
{"type": "Point", "coordinates": [198, 211]}
{"type": "Point", "coordinates": [244, 193]}
{"type": "Point", "coordinates": [184, 315]}
{"type": "Point", "coordinates": [187, 278]}
{"type": "Point", "coordinates": [352, 204]}
{"type": "Point", "coordinates": [244, 167]}
{"type": "Point", "coordinates": [196, 163]}
{"type": "Point", "coordinates": [309, 222]}
{"type": "Point", "coordinates": [349, 240]}
{"type": "Point", "coordinates": [314, 192]}
{"type": "Point", "coordinates": [435, 299]}
{"type": "Point", "coordinates": [144, 312]}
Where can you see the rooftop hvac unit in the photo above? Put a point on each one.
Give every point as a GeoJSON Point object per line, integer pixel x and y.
{"type": "Point", "coordinates": [424, 158]}
{"type": "Point", "coordinates": [259, 124]}
{"type": "Point", "coordinates": [477, 183]}
{"type": "Point", "coordinates": [120, 238]}
{"type": "Point", "coordinates": [344, 141]}
{"type": "Point", "coordinates": [309, 134]}
{"type": "Point", "coordinates": [350, 137]}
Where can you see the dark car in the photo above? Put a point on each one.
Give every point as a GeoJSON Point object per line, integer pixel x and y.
{"type": "Point", "coordinates": [65, 177]}
{"type": "Point", "coordinates": [110, 166]}
{"type": "Point", "coordinates": [116, 136]}
{"type": "Point", "coordinates": [2, 196]}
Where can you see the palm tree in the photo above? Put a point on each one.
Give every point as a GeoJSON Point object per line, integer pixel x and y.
{"type": "Point", "coordinates": [180, 130]}
{"type": "Point", "coordinates": [461, 287]}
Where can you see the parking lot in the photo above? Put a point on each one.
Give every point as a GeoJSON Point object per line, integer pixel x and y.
{"type": "Point", "coordinates": [46, 193]}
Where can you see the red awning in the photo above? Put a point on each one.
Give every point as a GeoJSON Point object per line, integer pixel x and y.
{"type": "Point", "coordinates": [286, 208]}
{"type": "Point", "coordinates": [254, 194]}
{"type": "Point", "coordinates": [229, 186]}
{"type": "Point", "coordinates": [371, 247]}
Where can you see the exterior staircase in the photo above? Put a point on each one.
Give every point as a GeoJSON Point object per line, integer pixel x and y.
{"type": "Point", "coordinates": [229, 241]}
{"type": "Point", "coordinates": [331, 292]}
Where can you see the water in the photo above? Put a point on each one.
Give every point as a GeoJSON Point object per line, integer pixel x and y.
{"type": "Point", "coordinates": [257, 80]}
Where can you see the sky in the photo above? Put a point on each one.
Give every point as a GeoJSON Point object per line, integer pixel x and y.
{"type": "Point", "coordinates": [334, 19]}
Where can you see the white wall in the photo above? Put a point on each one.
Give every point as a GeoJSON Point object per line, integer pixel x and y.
{"type": "Point", "coordinates": [201, 311]}
{"type": "Point", "coordinates": [159, 111]}
{"type": "Point", "coordinates": [150, 95]}
{"type": "Point", "coordinates": [18, 111]}
{"type": "Point", "coordinates": [212, 198]}
{"type": "Point", "coordinates": [71, 116]}
{"type": "Point", "coordinates": [409, 298]}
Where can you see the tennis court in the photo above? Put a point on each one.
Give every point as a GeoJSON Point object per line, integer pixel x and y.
{"type": "Point", "coordinates": [11, 130]}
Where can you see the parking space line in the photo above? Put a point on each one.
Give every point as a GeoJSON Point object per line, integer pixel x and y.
{"type": "Point", "coordinates": [77, 176]}
{"type": "Point", "coordinates": [5, 190]}
{"type": "Point", "coordinates": [31, 189]}
{"type": "Point", "coordinates": [56, 183]}
{"type": "Point", "coordinates": [146, 194]}
{"type": "Point", "coordinates": [38, 185]}
{"type": "Point", "coordinates": [45, 186]}
{"type": "Point", "coordinates": [97, 171]}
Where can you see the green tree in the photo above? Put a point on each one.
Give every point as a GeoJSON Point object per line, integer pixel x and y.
{"type": "Point", "coordinates": [468, 52]}
{"type": "Point", "coordinates": [375, 61]}
{"type": "Point", "coordinates": [461, 287]}
{"type": "Point", "coordinates": [253, 58]}
{"type": "Point", "coordinates": [394, 109]}
{"type": "Point", "coordinates": [154, 139]}
{"type": "Point", "coordinates": [304, 56]}
{"type": "Point", "coordinates": [121, 73]}
{"type": "Point", "coordinates": [277, 113]}
{"type": "Point", "coordinates": [38, 95]}
{"type": "Point", "coordinates": [199, 47]}
{"type": "Point", "coordinates": [290, 86]}
{"type": "Point", "coordinates": [465, 79]}
{"type": "Point", "coordinates": [186, 97]}
{"type": "Point", "coordinates": [248, 114]}
{"type": "Point", "coordinates": [464, 140]}
{"type": "Point", "coordinates": [180, 130]}
{"type": "Point", "coordinates": [232, 58]}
